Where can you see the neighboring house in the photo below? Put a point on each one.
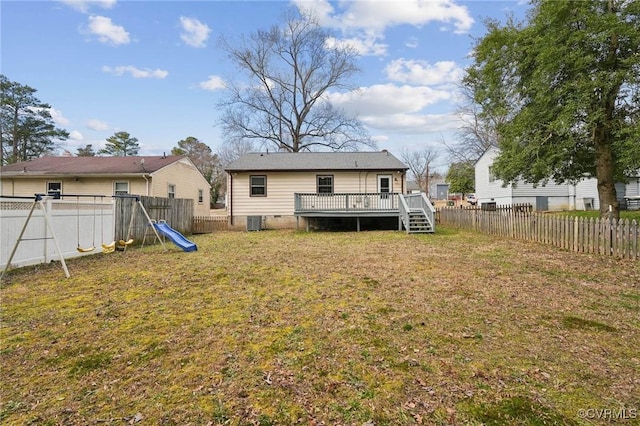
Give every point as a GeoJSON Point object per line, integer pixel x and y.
{"type": "Point", "coordinates": [551, 196]}
{"type": "Point", "coordinates": [438, 188]}
{"type": "Point", "coordinates": [286, 190]}
{"type": "Point", "coordinates": [155, 176]}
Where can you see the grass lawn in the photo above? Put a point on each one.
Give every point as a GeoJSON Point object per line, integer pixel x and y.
{"type": "Point", "coordinates": [285, 327]}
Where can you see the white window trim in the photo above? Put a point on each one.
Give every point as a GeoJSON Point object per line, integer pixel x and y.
{"type": "Point", "coordinates": [115, 187]}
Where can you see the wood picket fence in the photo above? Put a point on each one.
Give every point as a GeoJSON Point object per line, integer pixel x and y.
{"type": "Point", "coordinates": [619, 238]}
{"type": "Point", "coordinates": [208, 224]}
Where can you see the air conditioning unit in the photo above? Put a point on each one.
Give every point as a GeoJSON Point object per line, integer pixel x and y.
{"type": "Point", "coordinates": [254, 223]}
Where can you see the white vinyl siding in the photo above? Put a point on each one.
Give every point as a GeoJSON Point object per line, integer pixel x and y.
{"type": "Point", "coordinates": [490, 191]}
{"type": "Point", "coordinates": [633, 187]}
{"type": "Point", "coordinates": [281, 187]}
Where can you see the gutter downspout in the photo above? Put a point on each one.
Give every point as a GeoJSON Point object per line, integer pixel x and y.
{"type": "Point", "coordinates": [146, 184]}
{"type": "Point", "coordinates": [230, 199]}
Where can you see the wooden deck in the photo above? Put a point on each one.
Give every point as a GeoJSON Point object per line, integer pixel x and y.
{"type": "Point", "coordinates": [347, 204]}
{"type": "Point", "coordinates": [414, 211]}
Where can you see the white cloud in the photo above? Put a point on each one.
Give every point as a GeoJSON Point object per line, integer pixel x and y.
{"type": "Point", "coordinates": [386, 99]}
{"type": "Point", "coordinates": [195, 33]}
{"type": "Point", "coordinates": [84, 5]}
{"type": "Point", "coordinates": [363, 45]}
{"type": "Point", "coordinates": [213, 83]}
{"type": "Point", "coordinates": [412, 43]}
{"type": "Point", "coordinates": [398, 109]}
{"type": "Point", "coordinates": [135, 72]}
{"type": "Point", "coordinates": [380, 138]}
{"type": "Point", "coordinates": [422, 72]}
{"type": "Point", "coordinates": [57, 117]}
{"type": "Point", "coordinates": [107, 31]}
{"type": "Point", "coordinates": [379, 15]}
{"type": "Point", "coordinates": [413, 123]}
{"type": "Point", "coordinates": [363, 23]}
{"type": "Point", "coordinates": [75, 135]}
{"type": "Point", "coordinates": [98, 125]}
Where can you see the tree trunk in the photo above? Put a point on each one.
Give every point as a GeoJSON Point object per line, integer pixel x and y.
{"type": "Point", "coordinates": [604, 172]}
{"type": "Point", "coordinates": [603, 137]}
{"type": "Point", "coordinates": [15, 141]}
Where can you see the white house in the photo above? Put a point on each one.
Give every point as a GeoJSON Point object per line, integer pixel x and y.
{"type": "Point", "coordinates": [550, 196]}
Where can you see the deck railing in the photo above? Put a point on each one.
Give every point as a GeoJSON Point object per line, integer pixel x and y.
{"type": "Point", "coordinates": [346, 202]}
{"type": "Point", "coordinates": [421, 202]}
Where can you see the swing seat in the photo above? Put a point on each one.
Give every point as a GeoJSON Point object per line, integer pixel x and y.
{"type": "Point", "coordinates": [86, 250]}
{"type": "Point", "coordinates": [126, 243]}
{"type": "Point", "coordinates": [109, 248]}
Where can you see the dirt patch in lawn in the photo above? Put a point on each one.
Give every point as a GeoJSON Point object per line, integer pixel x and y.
{"type": "Point", "coordinates": [323, 328]}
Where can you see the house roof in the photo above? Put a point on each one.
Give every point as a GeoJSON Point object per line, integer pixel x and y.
{"type": "Point", "coordinates": [316, 161]}
{"type": "Point", "coordinates": [83, 166]}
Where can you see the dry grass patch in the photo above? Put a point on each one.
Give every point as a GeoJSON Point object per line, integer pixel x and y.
{"type": "Point", "coordinates": [322, 328]}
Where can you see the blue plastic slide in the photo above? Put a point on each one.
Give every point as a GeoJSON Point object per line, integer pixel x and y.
{"type": "Point", "coordinates": [175, 237]}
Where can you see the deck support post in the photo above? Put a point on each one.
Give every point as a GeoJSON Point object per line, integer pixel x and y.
{"type": "Point", "coordinates": [358, 223]}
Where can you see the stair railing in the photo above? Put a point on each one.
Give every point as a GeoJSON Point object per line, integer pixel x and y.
{"type": "Point", "coordinates": [404, 211]}
{"type": "Point", "coordinates": [422, 203]}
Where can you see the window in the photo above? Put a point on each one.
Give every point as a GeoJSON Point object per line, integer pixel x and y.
{"type": "Point", "coordinates": [325, 184]}
{"type": "Point", "coordinates": [171, 192]}
{"type": "Point", "coordinates": [200, 196]}
{"type": "Point", "coordinates": [258, 186]}
{"type": "Point", "coordinates": [121, 188]}
{"type": "Point", "coordinates": [54, 188]}
{"type": "Point", "coordinates": [492, 177]}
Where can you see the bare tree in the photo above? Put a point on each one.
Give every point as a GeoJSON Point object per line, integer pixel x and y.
{"type": "Point", "coordinates": [285, 106]}
{"type": "Point", "coordinates": [477, 132]}
{"type": "Point", "coordinates": [420, 166]}
{"type": "Point", "coordinates": [230, 152]}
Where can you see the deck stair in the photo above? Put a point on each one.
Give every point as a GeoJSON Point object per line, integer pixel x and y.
{"type": "Point", "coordinates": [417, 214]}
{"type": "Point", "coordinates": [419, 223]}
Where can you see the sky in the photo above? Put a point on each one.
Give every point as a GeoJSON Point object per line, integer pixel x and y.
{"type": "Point", "coordinates": [155, 69]}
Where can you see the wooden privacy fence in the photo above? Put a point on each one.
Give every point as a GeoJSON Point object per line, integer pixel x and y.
{"type": "Point", "coordinates": [586, 235]}
{"type": "Point", "coordinates": [208, 224]}
{"type": "Point", "coordinates": [177, 212]}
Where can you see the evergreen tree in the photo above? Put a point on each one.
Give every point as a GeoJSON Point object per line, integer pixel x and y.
{"type": "Point", "coordinates": [27, 129]}
{"type": "Point", "coordinates": [87, 151]}
{"type": "Point", "coordinates": [121, 144]}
